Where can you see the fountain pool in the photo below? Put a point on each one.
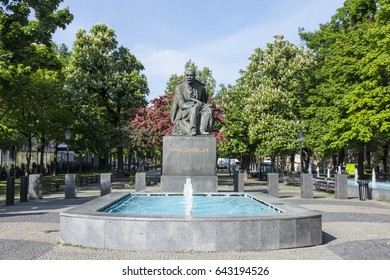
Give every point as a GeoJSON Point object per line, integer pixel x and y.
{"type": "Point", "coordinates": [201, 205]}
{"type": "Point", "coordinates": [288, 227]}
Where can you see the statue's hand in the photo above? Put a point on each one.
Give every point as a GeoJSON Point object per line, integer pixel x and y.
{"type": "Point", "coordinates": [198, 103]}
{"type": "Point", "coordinates": [188, 104]}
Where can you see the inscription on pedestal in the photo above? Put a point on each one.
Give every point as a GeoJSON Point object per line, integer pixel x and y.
{"type": "Point", "coordinates": [189, 157]}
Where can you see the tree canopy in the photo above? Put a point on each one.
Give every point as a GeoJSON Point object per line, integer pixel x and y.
{"type": "Point", "coordinates": [351, 99]}
{"type": "Point", "coordinates": [30, 69]}
{"type": "Point", "coordinates": [104, 80]}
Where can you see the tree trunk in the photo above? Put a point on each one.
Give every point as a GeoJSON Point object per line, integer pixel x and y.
{"type": "Point", "coordinates": [334, 161]}
{"type": "Point", "coordinates": [385, 152]}
{"type": "Point", "coordinates": [292, 161]}
{"type": "Point", "coordinates": [368, 158]}
{"type": "Point", "coordinates": [41, 165]}
{"type": "Point", "coordinates": [28, 155]}
{"type": "Point", "coordinates": [121, 170]}
{"type": "Point", "coordinates": [361, 164]}
{"type": "Point", "coordinates": [55, 162]}
{"type": "Point", "coordinates": [246, 160]}
{"type": "Point", "coordinates": [81, 163]}
{"type": "Point", "coordinates": [341, 157]}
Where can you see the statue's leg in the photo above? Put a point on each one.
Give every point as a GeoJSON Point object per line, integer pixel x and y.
{"type": "Point", "coordinates": [194, 119]}
{"type": "Point", "coordinates": [206, 120]}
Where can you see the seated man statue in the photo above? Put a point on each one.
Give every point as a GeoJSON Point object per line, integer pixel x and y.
{"type": "Point", "coordinates": [190, 112]}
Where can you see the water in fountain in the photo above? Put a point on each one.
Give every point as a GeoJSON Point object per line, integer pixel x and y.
{"type": "Point", "coordinates": [373, 179]}
{"type": "Point", "coordinates": [328, 173]}
{"type": "Point", "coordinates": [309, 171]}
{"type": "Point", "coordinates": [318, 171]}
{"type": "Point", "coordinates": [188, 191]}
{"type": "Point", "coordinates": [339, 170]}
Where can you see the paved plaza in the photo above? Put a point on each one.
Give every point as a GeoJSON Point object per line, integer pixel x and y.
{"type": "Point", "coordinates": [352, 229]}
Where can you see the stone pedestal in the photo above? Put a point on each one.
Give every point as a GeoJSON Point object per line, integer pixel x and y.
{"type": "Point", "coordinates": [238, 181]}
{"type": "Point", "coordinates": [70, 186]}
{"type": "Point", "coordinates": [306, 185]}
{"type": "Point", "coordinates": [341, 186]}
{"type": "Point", "coordinates": [105, 183]}
{"type": "Point", "coordinates": [35, 186]}
{"type": "Point", "coordinates": [192, 157]}
{"type": "Point", "coordinates": [140, 181]}
{"type": "Point", "coordinates": [273, 184]}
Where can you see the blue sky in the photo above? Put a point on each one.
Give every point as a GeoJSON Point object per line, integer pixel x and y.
{"type": "Point", "coordinates": [219, 34]}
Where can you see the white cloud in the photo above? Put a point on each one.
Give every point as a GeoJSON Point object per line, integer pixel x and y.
{"type": "Point", "coordinates": [159, 62]}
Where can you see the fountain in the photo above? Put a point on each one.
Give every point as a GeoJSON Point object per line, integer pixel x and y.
{"type": "Point", "coordinates": [188, 197]}
{"type": "Point", "coordinates": [318, 171]}
{"type": "Point", "coordinates": [373, 183]}
{"type": "Point", "coordinates": [189, 161]}
{"type": "Point", "coordinates": [285, 226]}
{"type": "Point", "coordinates": [328, 173]}
{"type": "Point", "coordinates": [339, 169]}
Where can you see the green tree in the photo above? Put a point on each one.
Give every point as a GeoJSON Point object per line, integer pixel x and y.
{"type": "Point", "coordinates": [278, 80]}
{"type": "Point", "coordinates": [29, 65]}
{"type": "Point", "coordinates": [105, 80]}
{"type": "Point", "coordinates": [353, 54]}
{"type": "Point", "coordinates": [263, 110]}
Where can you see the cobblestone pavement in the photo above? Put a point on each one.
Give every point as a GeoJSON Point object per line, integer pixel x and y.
{"type": "Point", "coordinates": [352, 230]}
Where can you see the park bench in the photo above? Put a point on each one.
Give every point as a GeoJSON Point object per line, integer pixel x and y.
{"type": "Point", "coordinates": [84, 180]}
{"type": "Point", "coordinates": [293, 181]}
{"type": "Point", "coordinates": [51, 184]}
{"type": "Point", "coordinates": [324, 185]}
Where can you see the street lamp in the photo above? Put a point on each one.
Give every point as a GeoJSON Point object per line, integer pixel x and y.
{"type": "Point", "coordinates": [68, 135]}
{"type": "Point", "coordinates": [300, 140]}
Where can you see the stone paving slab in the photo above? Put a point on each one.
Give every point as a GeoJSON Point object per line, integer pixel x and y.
{"type": "Point", "coordinates": [23, 249]}
{"type": "Point", "coordinates": [352, 230]}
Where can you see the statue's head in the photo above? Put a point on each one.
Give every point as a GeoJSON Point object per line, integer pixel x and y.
{"type": "Point", "coordinates": [190, 75]}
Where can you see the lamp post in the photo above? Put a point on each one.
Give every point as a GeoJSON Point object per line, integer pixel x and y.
{"type": "Point", "coordinates": [68, 135]}
{"type": "Point", "coordinates": [300, 140]}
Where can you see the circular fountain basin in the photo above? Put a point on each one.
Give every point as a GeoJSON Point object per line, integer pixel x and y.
{"type": "Point", "coordinates": [289, 226]}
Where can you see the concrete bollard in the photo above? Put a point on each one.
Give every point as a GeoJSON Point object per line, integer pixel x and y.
{"type": "Point", "coordinates": [105, 183]}
{"type": "Point", "coordinates": [70, 186]}
{"type": "Point", "coordinates": [35, 186]}
{"type": "Point", "coordinates": [140, 181]}
{"type": "Point", "coordinates": [238, 181]}
{"type": "Point", "coordinates": [23, 188]}
{"type": "Point", "coordinates": [306, 185]}
{"type": "Point", "coordinates": [273, 184]}
{"type": "Point", "coordinates": [10, 195]}
{"type": "Point", "coordinates": [341, 186]}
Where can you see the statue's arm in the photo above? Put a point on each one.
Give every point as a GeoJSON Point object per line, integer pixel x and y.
{"type": "Point", "coordinates": [182, 103]}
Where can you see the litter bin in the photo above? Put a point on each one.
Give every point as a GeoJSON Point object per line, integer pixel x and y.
{"type": "Point", "coordinates": [363, 189]}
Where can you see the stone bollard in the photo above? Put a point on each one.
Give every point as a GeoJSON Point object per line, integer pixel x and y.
{"type": "Point", "coordinates": [273, 184]}
{"type": "Point", "coordinates": [105, 183]}
{"type": "Point", "coordinates": [306, 185]}
{"type": "Point", "coordinates": [70, 186]}
{"type": "Point", "coordinates": [35, 186]}
{"type": "Point", "coordinates": [238, 181]}
{"type": "Point", "coordinates": [341, 186]}
{"type": "Point", "coordinates": [10, 196]}
{"type": "Point", "coordinates": [140, 181]}
{"type": "Point", "coordinates": [23, 188]}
